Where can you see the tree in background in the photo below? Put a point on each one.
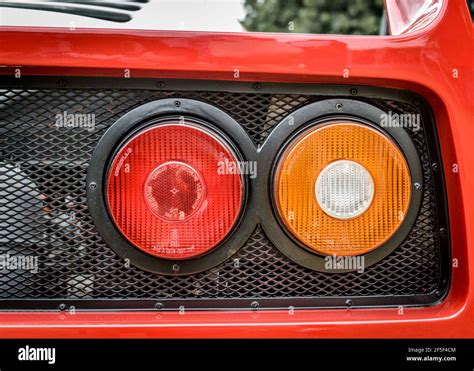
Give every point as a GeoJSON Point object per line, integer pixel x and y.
{"type": "Point", "coordinates": [313, 16]}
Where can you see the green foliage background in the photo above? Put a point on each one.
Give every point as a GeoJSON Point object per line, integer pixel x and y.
{"type": "Point", "coordinates": [313, 16]}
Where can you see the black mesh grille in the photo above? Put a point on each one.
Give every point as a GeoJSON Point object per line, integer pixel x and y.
{"type": "Point", "coordinates": [43, 211]}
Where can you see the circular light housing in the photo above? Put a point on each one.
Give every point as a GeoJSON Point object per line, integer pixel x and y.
{"type": "Point", "coordinates": [165, 192]}
{"type": "Point", "coordinates": [342, 188]}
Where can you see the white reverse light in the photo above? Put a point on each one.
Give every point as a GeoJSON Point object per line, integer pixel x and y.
{"type": "Point", "coordinates": [344, 189]}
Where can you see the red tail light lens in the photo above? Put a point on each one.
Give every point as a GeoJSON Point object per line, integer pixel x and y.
{"type": "Point", "coordinates": [174, 191]}
{"type": "Point", "coordinates": [166, 191]}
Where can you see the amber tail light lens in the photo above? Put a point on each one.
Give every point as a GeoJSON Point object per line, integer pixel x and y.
{"type": "Point", "coordinates": [342, 188]}
{"type": "Point", "coordinates": [165, 192]}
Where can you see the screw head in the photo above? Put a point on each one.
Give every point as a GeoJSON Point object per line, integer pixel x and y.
{"type": "Point", "coordinates": [353, 91]}
{"type": "Point", "coordinates": [92, 185]}
{"type": "Point", "coordinates": [434, 166]}
{"type": "Point", "coordinates": [349, 303]}
{"type": "Point", "coordinates": [255, 305]}
{"type": "Point", "coordinates": [177, 103]}
{"type": "Point", "coordinates": [158, 306]}
{"type": "Point", "coordinates": [417, 185]}
{"type": "Point", "coordinates": [62, 306]}
{"type": "Point", "coordinates": [160, 84]}
{"type": "Point", "coordinates": [339, 106]}
{"type": "Point", "coordinates": [62, 83]}
{"type": "Point", "coordinates": [257, 86]}
{"type": "Point", "coordinates": [176, 267]}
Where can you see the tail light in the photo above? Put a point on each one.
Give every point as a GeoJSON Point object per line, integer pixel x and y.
{"type": "Point", "coordinates": [165, 192]}
{"type": "Point", "coordinates": [342, 188]}
{"type": "Point", "coordinates": [154, 173]}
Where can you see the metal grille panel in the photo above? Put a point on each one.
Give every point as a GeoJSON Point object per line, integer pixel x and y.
{"type": "Point", "coordinates": [43, 210]}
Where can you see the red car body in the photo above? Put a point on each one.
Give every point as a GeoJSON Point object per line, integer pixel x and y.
{"type": "Point", "coordinates": [435, 62]}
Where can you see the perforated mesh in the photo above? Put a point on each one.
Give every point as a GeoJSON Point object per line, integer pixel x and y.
{"type": "Point", "coordinates": [38, 156]}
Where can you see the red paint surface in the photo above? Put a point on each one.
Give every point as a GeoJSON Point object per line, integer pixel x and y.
{"type": "Point", "coordinates": [422, 62]}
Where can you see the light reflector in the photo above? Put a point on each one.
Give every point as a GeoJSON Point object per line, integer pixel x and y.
{"type": "Point", "coordinates": [166, 195]}
{"type": "Point", "coordinates": [342, 188]}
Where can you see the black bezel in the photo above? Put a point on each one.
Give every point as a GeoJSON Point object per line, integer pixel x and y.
{"type": "Point", "coordinates": [197, 113]}
{"type": "Point", "coordinates": [320, 113]}
{"type": "Point", "coordinates": [282, 135]}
